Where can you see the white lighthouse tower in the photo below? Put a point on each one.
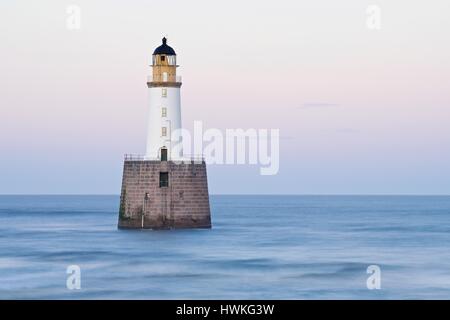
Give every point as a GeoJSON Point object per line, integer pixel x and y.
{"type": "Point", "coordinates": [158, 190]}
{"type": "Point", "coordinates": [164, 106]}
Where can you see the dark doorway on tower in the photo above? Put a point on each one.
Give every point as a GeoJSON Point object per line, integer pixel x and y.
{"type": "Point", "coordinates": [163, 179]}
{"type": "Point", "coordinates": [163, 154]}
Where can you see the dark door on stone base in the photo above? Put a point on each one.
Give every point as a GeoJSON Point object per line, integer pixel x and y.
{"type": "Point", "coordinates": [163, 154]}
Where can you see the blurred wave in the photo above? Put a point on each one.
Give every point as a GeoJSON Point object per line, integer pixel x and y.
{"type": "Point", "coordinates": [274, 247]}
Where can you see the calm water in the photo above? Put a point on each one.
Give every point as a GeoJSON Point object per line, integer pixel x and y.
{"type": "Point", "coordinates": [274, 247]}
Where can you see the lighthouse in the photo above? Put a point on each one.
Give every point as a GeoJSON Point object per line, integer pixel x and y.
{"type": "Point", "coordinates": [164, 105]}
{"type": "Point", "coordinates": [163, 189]}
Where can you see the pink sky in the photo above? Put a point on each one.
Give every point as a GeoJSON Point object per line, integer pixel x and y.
{"type": "Point", "coordinates": [359, 111]}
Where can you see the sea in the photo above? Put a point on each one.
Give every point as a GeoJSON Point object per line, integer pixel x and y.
{"type": "Point", "coordinates": [260, 247]}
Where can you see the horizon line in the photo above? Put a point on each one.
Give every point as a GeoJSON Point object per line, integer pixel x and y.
{"type": "Point", "coordinates": [242, 194]}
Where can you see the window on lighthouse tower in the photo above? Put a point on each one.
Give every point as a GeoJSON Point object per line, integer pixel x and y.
{"type": "Point", "coordinates": [164, 92]}
{"type": "Point", "coordinates": [163, 154]}
{"type": "Point", "coordinates": [163, 112]}
{"type": "Point", "coordinates": [164, 131]}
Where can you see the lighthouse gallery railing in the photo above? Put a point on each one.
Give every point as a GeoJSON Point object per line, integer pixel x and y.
{"type": "Point", "coordinates": [185, 158]}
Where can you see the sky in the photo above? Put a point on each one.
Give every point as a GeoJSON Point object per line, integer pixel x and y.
{"type": "Point", "coordinates": [360, 110]}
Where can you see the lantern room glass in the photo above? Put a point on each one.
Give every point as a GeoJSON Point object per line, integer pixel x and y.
{"type": "Point", "coordinates": [164, 60]}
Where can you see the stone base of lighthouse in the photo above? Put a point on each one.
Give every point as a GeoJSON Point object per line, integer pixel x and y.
{"type": "Point", "coordinates": [164, 195]}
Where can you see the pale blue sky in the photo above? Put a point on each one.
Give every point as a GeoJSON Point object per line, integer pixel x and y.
{"type": "Point", "coordinates": [359, 111]}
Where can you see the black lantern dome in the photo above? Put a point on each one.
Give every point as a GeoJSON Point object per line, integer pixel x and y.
{"type": "Point", "coordinates": [165, 49]}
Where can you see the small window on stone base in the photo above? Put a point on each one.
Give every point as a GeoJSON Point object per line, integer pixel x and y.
{"type": "Point", "coordinates": [163, 179]}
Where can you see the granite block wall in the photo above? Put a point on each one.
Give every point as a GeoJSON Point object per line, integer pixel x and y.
{"type": "Point", "coordinates": [184, 203]}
